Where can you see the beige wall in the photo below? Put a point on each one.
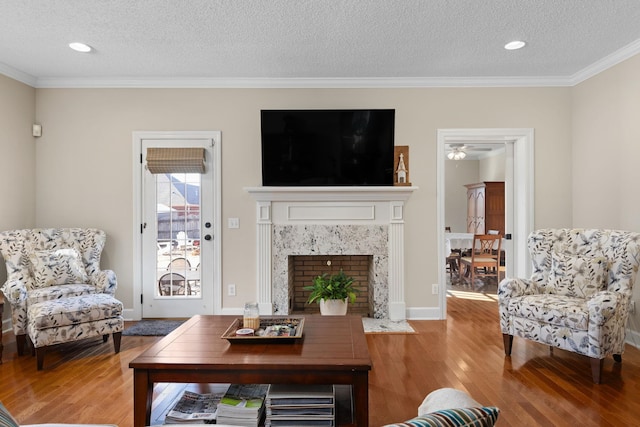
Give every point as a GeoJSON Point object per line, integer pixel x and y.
{"type": "Point", "coordinates": [85, 167]}
{"type": "Point", "coordinates": [606, 141]}
{"type": "Point", "coordinates": [458, 173]}
{"type": "Point", "coordinates": [17, 159]}
{"type": "Point", "coordinates": [17, 154]}
{"type": "Point", "coordinates": [492, 168]}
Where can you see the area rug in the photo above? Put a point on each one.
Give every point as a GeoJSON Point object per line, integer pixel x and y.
{"type": "Point", "coordinates": [152, 327]}
{"type": "Point", "coordinates": [386, 326]}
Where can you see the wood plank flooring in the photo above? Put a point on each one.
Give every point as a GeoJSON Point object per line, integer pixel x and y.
{"type": "Point", "coordinates": [87, 383]}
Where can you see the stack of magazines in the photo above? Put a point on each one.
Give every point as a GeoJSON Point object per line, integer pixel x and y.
{"type": "Point", "coordinates": [300, 406]}
{"type": "Point", "coordinates": [242, 405]}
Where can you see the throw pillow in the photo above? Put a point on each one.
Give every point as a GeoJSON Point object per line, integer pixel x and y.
{"type": "Point", "coordinates": [57, 267]}
{"type": "Point", "coordinates": [457, 417]}
{"type": "Point", "coordinates": [6, 420]}
{"type": "Point", "coordinates": [577, 276]}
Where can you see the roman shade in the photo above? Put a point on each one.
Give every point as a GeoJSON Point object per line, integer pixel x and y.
{"type": "Point", "coordinates": [175, 160]}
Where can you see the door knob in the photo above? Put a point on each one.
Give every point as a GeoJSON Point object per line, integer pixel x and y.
{"type": "Point", "coordinates": [207, 237]}
{"type": "Point", "coordinates": [207, 225]}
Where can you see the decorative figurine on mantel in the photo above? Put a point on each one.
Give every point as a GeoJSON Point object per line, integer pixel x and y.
{"type": "Point", "coordinates": [401, 165]}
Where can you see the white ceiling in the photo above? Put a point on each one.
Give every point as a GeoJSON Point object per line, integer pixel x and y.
{"type": "Point", "coordinates": [315, 43]}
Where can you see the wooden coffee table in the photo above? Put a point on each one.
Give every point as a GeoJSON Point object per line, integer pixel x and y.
{"type": "Point", "coordinates": [333, 350]}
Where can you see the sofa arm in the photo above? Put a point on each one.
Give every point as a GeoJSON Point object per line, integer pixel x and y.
{"type": "Point", "coordinates": [510, 288]}
{"type": "Point", "coordinates": [105, 281]}
{"type": "Point", "coordinates": [15, 291]}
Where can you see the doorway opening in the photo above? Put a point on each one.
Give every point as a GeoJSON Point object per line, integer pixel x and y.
{"type": "Point", "coordinates": [518, 195]}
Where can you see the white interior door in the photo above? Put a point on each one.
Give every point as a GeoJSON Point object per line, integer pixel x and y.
{"type": "Point", "coordinates": [179, 236]}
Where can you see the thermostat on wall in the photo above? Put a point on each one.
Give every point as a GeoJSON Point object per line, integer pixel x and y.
{"type": "Point", "coordinates": [37, 130]}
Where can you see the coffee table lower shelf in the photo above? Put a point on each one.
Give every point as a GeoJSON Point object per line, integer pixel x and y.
{"type": "Point", "coordinates": [165, 395]}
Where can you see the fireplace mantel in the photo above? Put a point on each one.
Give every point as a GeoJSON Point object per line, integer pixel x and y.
{"type": "Point", "coordinates": [363, 212]}
{"type": "Point", "coordinates": [328, 194]}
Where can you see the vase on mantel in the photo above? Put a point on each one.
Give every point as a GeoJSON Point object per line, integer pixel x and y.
{"type": "Point", "coordinates": [334, 307]}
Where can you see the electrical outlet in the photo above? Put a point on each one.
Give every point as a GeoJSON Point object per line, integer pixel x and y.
{"type": "Point", "coordinates": [231, 289]}
{"type": "Point", "coordinates": [435, 289]}
{"type": "Point", "coordinates": [632, 306]}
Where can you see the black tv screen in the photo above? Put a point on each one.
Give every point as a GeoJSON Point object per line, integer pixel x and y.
{"type": "Point", "coordinates": [327, 147]}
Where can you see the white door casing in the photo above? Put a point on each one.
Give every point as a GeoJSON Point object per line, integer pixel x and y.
{"type": "Point", "coordinates": [147, 302]}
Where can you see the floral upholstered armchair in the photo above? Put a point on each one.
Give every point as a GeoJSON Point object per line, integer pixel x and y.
{"type": "Point", "coordinates": [578, 296]}
{"type": "Point", "coordinates": [55, 287]}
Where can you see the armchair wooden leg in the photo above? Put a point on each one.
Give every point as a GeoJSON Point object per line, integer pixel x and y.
{"type": "Point", "coordinates": [117, 337]}
{"type": "Point", "coordinates": [617, 358]}
{"type": "Point", "coordinates": [508, 341]}
{"type": "Point", "coordinates": [105, 338]}
{"type": "Point", "coordinates": [40, 357]}
{"type": "Point", "coordinates": [21, 342]}
{"type": "Point", "coordinates": [596, 369]}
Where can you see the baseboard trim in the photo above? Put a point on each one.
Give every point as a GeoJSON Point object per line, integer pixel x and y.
{"type": "Point", "coordinates": [423, 313]}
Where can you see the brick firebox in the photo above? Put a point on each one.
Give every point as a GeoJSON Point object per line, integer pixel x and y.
{"type": "Point", "coordinates": [303, 268]}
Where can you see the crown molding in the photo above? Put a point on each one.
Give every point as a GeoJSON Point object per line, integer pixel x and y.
{"type": "Point", "coordinates": [18, 75]}
{"type": "Point", "coordinates": [605, 63]}
{"type": "Point", "coordinates": [301, 83]}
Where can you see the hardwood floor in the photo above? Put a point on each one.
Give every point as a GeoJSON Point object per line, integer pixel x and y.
{"type": "Point", "coordinates": [89, 384]}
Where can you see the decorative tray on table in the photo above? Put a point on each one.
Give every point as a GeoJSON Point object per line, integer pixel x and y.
{"type": "Point", "coordinates": [272, 329]}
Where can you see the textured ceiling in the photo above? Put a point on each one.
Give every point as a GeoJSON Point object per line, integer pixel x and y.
{"type": "Point", "coordinates": [199, 41]}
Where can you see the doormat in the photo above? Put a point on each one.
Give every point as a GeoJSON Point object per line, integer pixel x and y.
{"type": "Point", "coordinates": [152, 327]}
{"type": "Point", "coordinates": [386, 326]}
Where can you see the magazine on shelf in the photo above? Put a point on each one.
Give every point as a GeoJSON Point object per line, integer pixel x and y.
{"type": "Point", "coordinates": [243, 401]}
{"type": "Point", "coordinates": [194, 408]}
{"type": "Point", "coordinates": [300, 405]}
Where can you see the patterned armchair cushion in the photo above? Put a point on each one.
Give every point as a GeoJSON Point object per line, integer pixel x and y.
{"type": "Point", "coordinates": [57, 267]}
{"type": "Point", "coordinates": [576, 275]}
{"type": "Point", "coordinates": [558, 310]}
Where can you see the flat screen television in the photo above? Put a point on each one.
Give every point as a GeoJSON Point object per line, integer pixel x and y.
{"type": "Point", "coordinates": [327, 147]}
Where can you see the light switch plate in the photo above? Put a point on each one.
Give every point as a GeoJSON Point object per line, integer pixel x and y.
{"type": "Point", "coordinates": [234, 222]}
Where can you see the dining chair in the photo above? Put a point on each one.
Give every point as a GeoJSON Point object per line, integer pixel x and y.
{"type": "Point", "coordinates": [484, 260]}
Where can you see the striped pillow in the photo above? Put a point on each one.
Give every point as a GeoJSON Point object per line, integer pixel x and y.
{"type": "Point", "coordinates": [6, 420]}
{"type": "Point", "coordinates": [459, 417]}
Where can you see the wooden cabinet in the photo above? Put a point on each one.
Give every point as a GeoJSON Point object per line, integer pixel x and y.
{"type": "Point", "coordinates": [485, 207]}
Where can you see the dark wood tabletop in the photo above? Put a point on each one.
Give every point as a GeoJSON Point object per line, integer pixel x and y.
{"type": "Point", "coordinates": [333, 350]}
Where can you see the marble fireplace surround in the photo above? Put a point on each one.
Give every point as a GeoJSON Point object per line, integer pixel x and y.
{"type": "Point", "coordinates": [331, 221]}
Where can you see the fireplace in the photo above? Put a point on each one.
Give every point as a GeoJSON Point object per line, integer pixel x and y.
{"type": "Point", "coordinates": [303, 269]}
{"type": "Point", "coordinates": [331, 221]}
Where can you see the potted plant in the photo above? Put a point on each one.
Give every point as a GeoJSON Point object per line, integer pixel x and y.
{"type": "Point", "coordinates": [332, 293]}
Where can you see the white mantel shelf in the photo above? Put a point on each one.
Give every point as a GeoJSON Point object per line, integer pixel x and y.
{"type": "Point", "coordinates": [321, 194]}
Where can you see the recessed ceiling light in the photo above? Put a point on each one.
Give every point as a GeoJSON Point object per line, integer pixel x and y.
{"type": "Point", "coordinates": [80, 47]}
{"type": "Point", "coordinates": [514, 45]}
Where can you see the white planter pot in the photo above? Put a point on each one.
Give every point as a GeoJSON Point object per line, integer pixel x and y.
{"type": "Point", "coordinates": [333, 307]}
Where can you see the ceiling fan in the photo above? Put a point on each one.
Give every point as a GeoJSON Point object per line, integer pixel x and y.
{"type": "Point", "coordinates": [459, 151]}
